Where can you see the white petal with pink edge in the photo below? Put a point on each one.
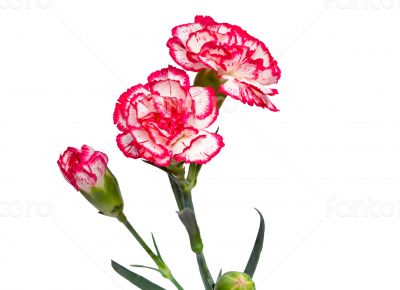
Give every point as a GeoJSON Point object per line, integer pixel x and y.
{"type": "Point", "coordinates": [158, 161]}
{"type": "Point", "coordinates": [248, 93]}
{"type": "Point", "coordinates": [206, 122]}
{"type": "Point", "coordinates": [178, 145]}
{"type": "Point", "coordinates": [85, 180]}
{"type": "Point", "coordinates": [198, 39]}
{"type": "Point", "coordinates": [168, 88]}
{"type": "Point", "coordinates": [183, 31]}
{"type": "Point", "coordinates": [170, 73]}
{"type": "Point", "coordinates": [204, 101]}
{"type": "Point", "coordinates": [144, 139]}
{"type": "Point", "coordinates": [268, 76]}
{"type": "Point", "coordinates": [127, 145]}
{"type": "Point", "coordinates": [179, 54]}
{"type": "Point", "coordinates": [202, 149]}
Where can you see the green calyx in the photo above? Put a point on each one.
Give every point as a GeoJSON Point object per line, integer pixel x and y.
{"type": "Point", "coordinates": [107, 199]}
{"type": "Point", "coordinates": [209, 78]}
{"type": "Point", "coordinates": [235, 281]}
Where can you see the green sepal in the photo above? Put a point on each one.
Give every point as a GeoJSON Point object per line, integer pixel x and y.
{"type": "Point", "coordinates": [188, 219]}
{"type": "Point", "coordinates": [209, 78]}
{"type": "Point", "coordinates": [106, 198]}
{"type": "Point", "coordinates": [134, 278]}
{"type": "Point", "coordinates": [219, 274]}
{"type": "Point", "coordinates": [258, 245]}
{"type": "Point", "coordinates": [194, 170]}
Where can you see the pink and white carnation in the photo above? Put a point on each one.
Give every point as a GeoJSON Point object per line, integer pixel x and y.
{"type": "Point", "coordinates": [243, 62]}
{"type": "Point", "coordinates": [166, 118]}
{"type": "Point", "coordinates": [83, 168]}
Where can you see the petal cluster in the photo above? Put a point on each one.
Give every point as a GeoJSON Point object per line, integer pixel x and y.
{"type": "Point", "coordinates": [244, 63]}
{"type": "Point", "coordinates": [166, 118]}
{"type": "Point", "coordinates": [83, 168]}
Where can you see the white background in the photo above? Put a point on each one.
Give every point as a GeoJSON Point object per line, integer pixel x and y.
{"type": "Point", "coordinates": [324, 170]}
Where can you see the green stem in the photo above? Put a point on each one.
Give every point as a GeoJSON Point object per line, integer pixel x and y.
{"type": "Point", "coordinates": [206, 276]}
{"type": "Point", "coordinates": [162, 267]}
{"type": "Point", "coordinates": [205, 272]}
{"type": "Point", "coordinates": [177, 192]}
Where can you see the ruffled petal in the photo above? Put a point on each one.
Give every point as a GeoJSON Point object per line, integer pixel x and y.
{"type": "Point", "coordinates": [131, 148]}
{"type": "Point", "coordinates": [248, 94]}
{"type": "Point", "coordinates": [168, 88]}
{"type": "Point", "coordinates": [259, 50]}
{"type": "Point", "coordinates": [66, 165]}
{"type": "Point", "coordinates": [204, 20]}
{"type": "Point", "coordinates": [123, 108]}
{"type": "Point", "coordinates": [98, 167]}
{"type": "Point", "coordinates": [183, 140]}
{"type": "Point", "coordinates": [198, 39]}
{"type": "Point", "coordinates": [85, 180]}
{"type": "Point", "coordinates": [170, 73]}
{"type": "Point", "coordinates": [127, 144]}
{"type": "Point", "coordinates": [179, 54]}
{"type": "Point", "coordinates": [204, 101]}
{"type": "Point", "coordinates": [206, 122]}
{"type": "Point", "coordinates": [183, 31]}
{"type": "Point", "coordinates": [158, 161]}
{"type": "Point", "coordinates": [270, 75]}
{"type": "Point", "coordinates": [201, 149]}
{"type": "Point", "coordinates": [145, 141]}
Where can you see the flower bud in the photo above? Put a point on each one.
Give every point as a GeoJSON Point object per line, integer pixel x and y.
{"type": "Point", "coordinates": [235, 281]}
{"type": "Point", "coordinates": [86, 170]}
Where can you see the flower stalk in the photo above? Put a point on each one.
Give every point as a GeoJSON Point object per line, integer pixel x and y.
{"type": "Point", "coordinates": [162, 267]}
{"type": "Point", "coordinates": [182, 187]}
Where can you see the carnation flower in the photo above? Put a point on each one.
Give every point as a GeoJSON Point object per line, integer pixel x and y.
{"type": "Point", "coordinates": [86, 170]}
{"type": "Point", "coordinates": [243, 62]}
{"type": "Point", "coordinates": [166, 118]}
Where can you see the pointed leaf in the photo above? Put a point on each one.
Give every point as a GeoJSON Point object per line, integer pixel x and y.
{"type": "Point", "coordinates": [258, 245]}
{"type": "Point", "coordinates": [146, 267]}
{"type": "Point", "coordinates": [219, 274]}
{"type": "Point", "coordinates": [155, 246]}
{"type": "Point", "coordinates": [152, 164]}
{"type": "Point", "coordinates": [134, 278]}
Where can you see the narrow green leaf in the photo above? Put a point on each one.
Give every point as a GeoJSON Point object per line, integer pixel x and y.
{"type": "Point", "coordinates": [155, 246]}
{"type": "Point", "coordinates": [258, 245]}
{"type": "Point", "coordinates": [134, 278]}
{"type": "Point", "coordinates": [219, 274]}
{"type": "Point", "coordinates": [152, 164]}
{"type": "Point", "coordinates": [145, 267]}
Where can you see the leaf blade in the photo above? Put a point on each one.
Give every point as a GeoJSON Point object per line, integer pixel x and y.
{"type": "Point", "coordinates": [258, 245]}
{"type": "Point", "coordinates": [155, 246]}
{"type": "Point", "coordinates": [134, 278]}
